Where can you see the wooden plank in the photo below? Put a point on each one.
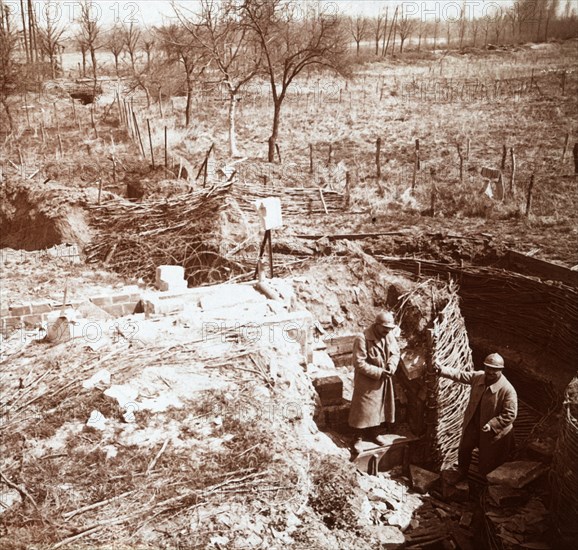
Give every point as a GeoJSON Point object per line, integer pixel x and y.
{"type": "Point", "coordinates": [540, 268]}
{"type": "Point", "coordinates": [490, 173]}
{"type": "Point", "coordinates": [340, 345]}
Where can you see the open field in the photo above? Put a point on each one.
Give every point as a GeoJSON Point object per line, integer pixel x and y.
{"type": "Point", "coordinates": [482, 101]}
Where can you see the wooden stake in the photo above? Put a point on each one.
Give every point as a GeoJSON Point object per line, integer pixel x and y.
{"type": "Point", "coordinates": [513, 173]}
{"type": "Point", "coordinates": [323, 200]}
{"type": "Point", "coordinates": [378, 159]}
{"type": "Point", "coordinates": [330, 155]}
{"type": "Point", "coordinates": [166, 153]}
{"type": "Point", "coordinates": [113, 159]}
{"type": "Point", "coordinates": [504, 156]}
{"type": "Point", "coordinates": [575, 153]}
{"type": "Point", "coordinates": [151, 143]}
{"type": "Point", "coordinates": [60, 145]}
{"type": "Point", "coordinates": [566, 140]}
{"type": "Point", "coordinates": [529, 199]}
{"type": "Point", "coordinates": [92, 121]}
{"type": "Point", "coordinates": [134, 119]}
{"type": "Point", "coordinates": [461, 162]}
{"type": "Point", "coordinates": [417, 155]}
{"type": "Point", "coordinates": [433, 200]}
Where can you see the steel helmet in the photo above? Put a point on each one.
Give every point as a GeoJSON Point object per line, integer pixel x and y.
{"type": "Point", "coordinates": [494, 360]}
{"type": "Point", "coordinates": [385, 318]}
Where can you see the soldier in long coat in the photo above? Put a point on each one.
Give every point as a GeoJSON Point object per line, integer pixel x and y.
{"type": "Point", "coordinates": [375, 359]}
{"type": "Point", "coordinates": [489, 416]}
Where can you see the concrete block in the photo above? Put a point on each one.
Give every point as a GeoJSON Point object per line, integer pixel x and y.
{"type": "Point", "coordinates": [101, 300]}
{"type": "Point", "coordinates": [516, 474]}
{"type": "Point", "coordinates": [41, 307]}
{"type": "Point", "coordinates": [33, 320]}
{"type": "Point", "coordinates": [18, 311]}
{"type": "Point", "coordinates": [170, 277]}
{"type": "Point", "coordinates": [330, 389]}
{"type": "Point", "coordinates": [422, 480]}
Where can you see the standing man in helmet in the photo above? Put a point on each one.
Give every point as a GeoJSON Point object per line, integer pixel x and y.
{"type": "Point", "coordinates": [489, 416]}
{"type": "Point", "coordinates": [375, 359]}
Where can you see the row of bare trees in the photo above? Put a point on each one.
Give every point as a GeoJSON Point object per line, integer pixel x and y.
{"type": "Point", "coordinates": [524, 20]}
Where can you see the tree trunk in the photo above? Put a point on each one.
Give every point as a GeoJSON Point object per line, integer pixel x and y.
{"type": "Point", "coordinates": [232, 133]}
{"type": "Point", "coordinates": [8, 114]}
{"type": "Point", "coordinates": [189, 100]}
{"type": "Point", "coordinates": [275, 129]}
{"type": "Point", "coordinates": [357, 42]}
{"type": "Point", "coordinates": [24, 32]}
{"type": "Point", "coordinates": [93, 61]}
{"type": "Point", "coordinates": [116, 64]}
{"type": "Point", "coordinates": [83, 52]}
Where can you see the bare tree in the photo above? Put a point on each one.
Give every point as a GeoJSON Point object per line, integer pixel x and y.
{"type": "Point", "coordinates": [421, 29]}
{"type": "Point", "coordinates": [475, 29]}
{"type": "Point", "coordinates": [462, 26]}
{"type": "Point", "coordinates": [50, 36]}
{"type": "Point", "coordinates": [89, 32]}
{"type": "Point", "coordinates": [405, 27]}
{"type": "Point", "coordinates": [379, 23]}
{"type": "Point", "coordinates": [115, 44]}
{"type": "Point", "coordinates": [499, 22]}
{"type": "Point", "coordinates": [291, 43]}
{"type": "Point", "coordinates": [551, 12]}
{"type": "Point", "coordinates": [132, 36]}
{"type": "Point", "coordinates": [219, 30]}
{"type": "Point", "coordinates": [8, 66]}
{"type": "Point", "coordinates": [180, 46]}
{"type": "Point", "coordinates": [358, 27]}
{"type": "Point", "coordinates": [148, 43]}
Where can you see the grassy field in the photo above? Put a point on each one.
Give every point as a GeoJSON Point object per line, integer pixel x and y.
{"type": "Point", "coordinates": [522, 98]}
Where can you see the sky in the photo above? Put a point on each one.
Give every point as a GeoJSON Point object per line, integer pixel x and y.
{"type": "Point", "coordinates": [155, 12]}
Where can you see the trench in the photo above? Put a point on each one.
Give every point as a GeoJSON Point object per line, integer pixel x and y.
{"type": "Point", "coordinates": [533, 324]}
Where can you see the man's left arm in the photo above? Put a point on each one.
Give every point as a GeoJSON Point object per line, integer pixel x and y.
{"type": "Point", "coordinates": [394, 354]}
{"type": "Point", "coordinates": [507, 414]}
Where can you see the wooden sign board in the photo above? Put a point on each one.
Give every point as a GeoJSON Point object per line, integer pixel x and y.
{"type": "Point", "coordinates": [491, 173]}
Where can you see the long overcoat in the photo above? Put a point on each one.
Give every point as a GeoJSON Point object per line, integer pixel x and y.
{"type": "Point", "coordinates": [373, 400]}
{"type": "Point", "coordinates": [498, 408]}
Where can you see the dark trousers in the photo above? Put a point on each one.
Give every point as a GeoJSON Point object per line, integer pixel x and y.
{"type": "Point", "coordinates": [470, 441]}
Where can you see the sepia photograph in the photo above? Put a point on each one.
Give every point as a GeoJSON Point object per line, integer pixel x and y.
{"type": "Point", "coordinates": [288, 274]}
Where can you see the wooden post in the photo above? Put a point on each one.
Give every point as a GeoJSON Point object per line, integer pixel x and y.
{"type": "Point", "coordinates": [60, 145]}
{"type": "Point", "coordinates": [566, 140]}
{"type": "Point", "coordinates": [270, 253]}
{"type": "Point", "coordinates": [461, 162]}
{"type": "Point", "coordinates": [310, 158]}
{"type": "Point", "coordinates": [112, 157]}
{"type": "Point", "coordinates": [323, 200]}
{"type": "Point", "coordinates": [378, 159]}
{"type": "Point", "coordinates": [166, 153]}
{"type": "Point", "coordinates": [151, 143]}
{"type": "Point", "coordinates": [513, 173]}
{"type": "Point", "coordinates": [575, 153]}
{"type": "Point", "coordinates": [529, 198]}
{"type": "Point", "coordinates": [92, 121]}
{"type": "Point", "coordinates": [417, 155]}
{"type": "Point", "coordinates": [433, 200]}
{"type": "Point", "coordinates": [330, 155]}
{"type": "Point", "coordinates": [138, 134]}
{"type": "Point", "coordinates": [504, 156]}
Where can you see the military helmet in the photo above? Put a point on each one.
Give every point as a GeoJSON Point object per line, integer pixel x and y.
{"type": "Point", "coordinates": [494, 361]}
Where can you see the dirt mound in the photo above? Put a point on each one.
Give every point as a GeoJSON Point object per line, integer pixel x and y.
{"type": "Point", "coordinates": [34, 217]}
